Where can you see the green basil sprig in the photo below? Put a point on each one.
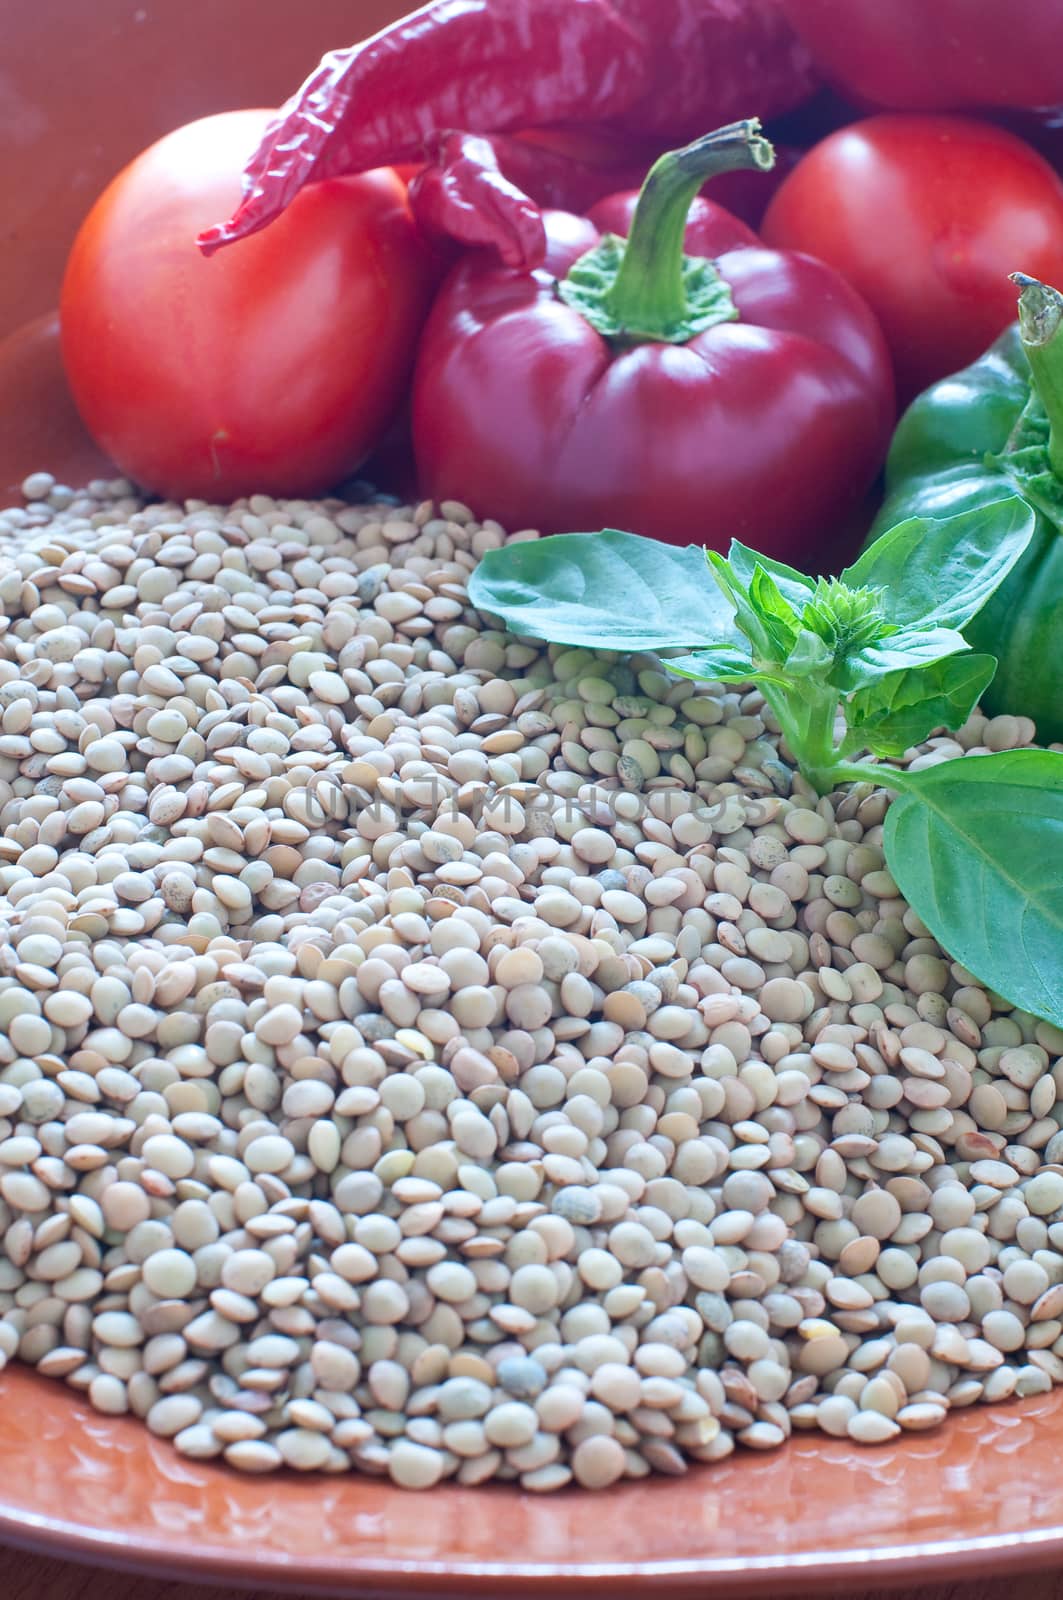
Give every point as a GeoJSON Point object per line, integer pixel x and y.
{"type": "Point", "coordinates": [869, 662]}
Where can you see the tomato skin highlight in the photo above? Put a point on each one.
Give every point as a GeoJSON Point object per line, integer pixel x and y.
{"type": "Point", "coordinates": [926, 216]}
{"type": "Point", "coordinates": [935, 55]}
{"type": "Point", "coordinates": [275, 367]}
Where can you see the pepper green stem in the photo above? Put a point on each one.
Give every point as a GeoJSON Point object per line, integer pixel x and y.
{"type": "Point", "coordinates": [644, 288]}
{"type": "Point", "coordinates": [649, 295]}
{"type": "Point", "coordinates": [1041, 331]}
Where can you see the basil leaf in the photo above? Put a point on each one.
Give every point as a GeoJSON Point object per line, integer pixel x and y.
{"type": "Point", "coordinates": [942, 571]}
{"type": "Point", "coordinates": [777, 616]}
{"type": "Point", "coordinates": [909, 647]}
{"type": "Point", "coordinates": [604, 591]}
{"type": "Point", "coordinates": [746, 618]}
{"type": "Point", "coordinates": [743, 562]}
{"type": "Point", "coordinates": [810, 656]}
{"type": "Point", "coordinates": [976, 847]}
{"type": "Point", "coordinates": [901, 709]}
{"type": "Point", "coordinates": [714, 666]}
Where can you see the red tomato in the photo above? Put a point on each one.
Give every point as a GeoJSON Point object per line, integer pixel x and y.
{"type": "Point", "coordinates": [274, 366]}
{"type": "Point", "coordinates": [926, 216]}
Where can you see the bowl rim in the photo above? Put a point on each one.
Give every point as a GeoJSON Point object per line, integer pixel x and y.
{"type": "Point", "coordinates": [932, 1561]}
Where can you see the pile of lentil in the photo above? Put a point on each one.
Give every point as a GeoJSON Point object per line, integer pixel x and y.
{"type": "Point", "coordinates": [427, 1053]}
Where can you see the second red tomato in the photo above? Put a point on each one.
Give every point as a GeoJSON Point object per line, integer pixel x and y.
{"type": "Point", "coordinates": [274, 367]}
{"type": "Point", "coordinates": [926, 216]}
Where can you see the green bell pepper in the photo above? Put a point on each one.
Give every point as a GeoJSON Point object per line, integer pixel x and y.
{"type": "Point", "coordinates": [993, 430]}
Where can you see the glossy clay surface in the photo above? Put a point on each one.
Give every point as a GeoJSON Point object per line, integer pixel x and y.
{"type": "Point", "coordinates": [984, 1494]}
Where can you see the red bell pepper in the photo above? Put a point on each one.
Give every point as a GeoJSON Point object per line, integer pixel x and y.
{"type": "Point", "coordinates": [690, 385]}
{"type": "Point", "coordinates": [937, 55]}
{"type": "Point", "coordinates": [658, 69]}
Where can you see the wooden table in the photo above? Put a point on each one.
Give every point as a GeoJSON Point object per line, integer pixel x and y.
{"type": "Point", "coordinates": [24, 1577]}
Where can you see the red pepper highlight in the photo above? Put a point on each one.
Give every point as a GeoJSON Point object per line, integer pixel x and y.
{"type": "Point", "coordinates": [690, 385]}
{"type": "Point", "coordinates": [660, 67]}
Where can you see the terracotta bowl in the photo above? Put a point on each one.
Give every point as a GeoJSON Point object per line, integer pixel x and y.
{"type": "Point", "coordinates": [83, 87]}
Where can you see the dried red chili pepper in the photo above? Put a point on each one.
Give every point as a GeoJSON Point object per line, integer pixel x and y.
{"type": "Point", "coordinates": [661, 67]}
{"type": "Point", "coordinates": [463, 195]}
{"type": "Point", "coordinates": [571, 169]}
